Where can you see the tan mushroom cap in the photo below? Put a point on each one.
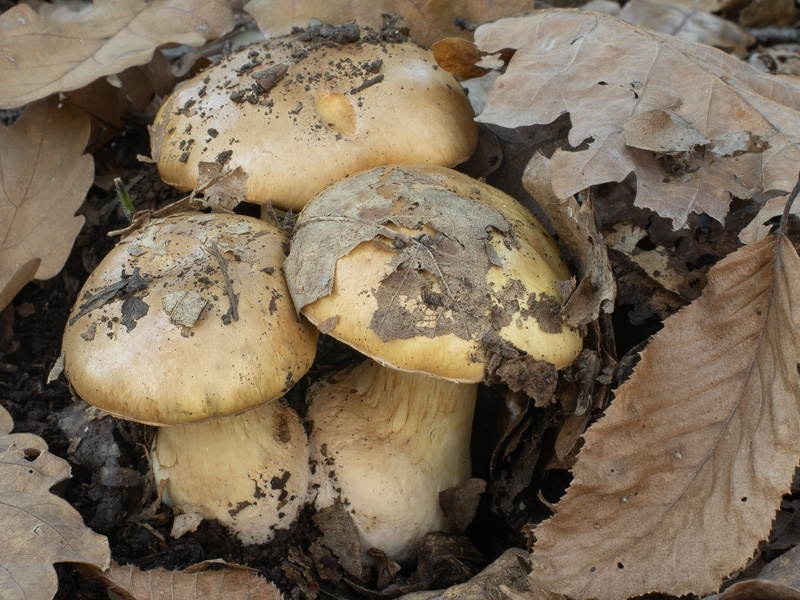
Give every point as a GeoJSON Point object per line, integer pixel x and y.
{"type": "Point", "coordinates": [385, 444]}
{"type": "Point", "coordinates": [438, 310]}
{"type": "Point", "coordinates": [339, 109]}
{"type": "Point", "coordinates": [249, 471]}
{"type": "Point", "coordinates": [167, 350]}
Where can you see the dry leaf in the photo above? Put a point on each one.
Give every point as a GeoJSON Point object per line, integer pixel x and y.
{"type": "Point", "coordinates": [223, 188]}
{"type": "Point", "coordinates": [778, 580]}
{"type": "Point", "coordinates": [111, 99]}
{"type": "Point", "coordinates": [461, 57]}
{"type": "Point", "coordinates": [758, 228]}
{"type": "Point", "coordinates": [428, 20]}
{"type": "Point", "coordinates": [42, 56]}
{"type": "Point", "coordinates": [44, 177]}
{"type": "Point", "coordinates": [758, 589]}
{"type": "Point", "coordinates": [505, 573]}
{"type": "Point", "coordinates": [782, 59]}
{"type": "Point", "coordinates": [682, 477]}
{"type": "Point", "coordinates": [784, 569]}
{"type": "Point", "coordinates": [688, 22]}
{"type": "Point", "coordinates": [765, 13]}
{"type": "Point", "coordinates": [340, 534]}
{"type": "Point", "coordinates": [606, 74]}
{"type": "Point", "coordinates": [232, 583]}
{"type": "Point", "coordinates": [460, 502]}
{"type": "Point", "coordinates": [574, 224]}
{"type": "Point", "coordinates": [39, 529]}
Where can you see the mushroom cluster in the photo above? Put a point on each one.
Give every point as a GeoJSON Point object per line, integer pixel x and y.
{"type": "Point", "coordinates": [199, 323]}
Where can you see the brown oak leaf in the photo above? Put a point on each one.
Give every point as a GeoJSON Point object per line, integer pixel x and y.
{"type": "Point", "coordinates": [43, 56]}
{"type": "Point", "coordinates": [39, 529]}
{"type": "Point", "coordinates": [44, 177]}
{"type": "Point", "coordinates": [696, 125]}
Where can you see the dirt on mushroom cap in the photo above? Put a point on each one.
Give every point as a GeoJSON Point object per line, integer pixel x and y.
{"type": "Point", "coordinates": [299, 112]}
{"type": "Point", "coordinates": [206, 329]}
{"type": "Point", "coordinates": [429, 271]}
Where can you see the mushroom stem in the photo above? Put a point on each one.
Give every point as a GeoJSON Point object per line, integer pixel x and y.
{"type": "Point", "coordinates": [385, 443]}
{"type": "Point", "coordinates": [249, 471]}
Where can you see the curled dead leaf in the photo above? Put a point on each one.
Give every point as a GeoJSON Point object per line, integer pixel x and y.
{"type": "Point", "coordinates": [461, 57]}
{"type": "Point", "coordinates": [574, 224]}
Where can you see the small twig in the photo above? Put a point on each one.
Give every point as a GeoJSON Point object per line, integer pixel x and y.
{"type": "Point", "coordinates": [233, 312]}
{"type": "Point", "coordinates": [367, 83]}
{"type": "Point", "coordinates": [788, 207]}
{"type": "Point", "coordinates": [155, 533]}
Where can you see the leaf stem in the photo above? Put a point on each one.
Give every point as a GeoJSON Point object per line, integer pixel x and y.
{"type": "Point", "coordinates": [788, 207]}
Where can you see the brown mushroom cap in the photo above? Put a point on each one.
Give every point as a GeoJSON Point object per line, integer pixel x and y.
{"type": "Point", "coordinates": [153, 338]}
{"type": "Point", "coordinates": [297, 115]}
{"type": "Point", "coordinates": [427, 270]}
{"type": "Point", "coordinates": [249, 471]}
{"type": "Point", "coordinates": [385, 444]}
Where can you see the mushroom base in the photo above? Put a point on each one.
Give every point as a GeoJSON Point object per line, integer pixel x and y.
{"type": "Point", "coordinates": [249, 471]}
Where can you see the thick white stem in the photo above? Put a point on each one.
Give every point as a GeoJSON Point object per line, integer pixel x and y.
{"type": "Point", "coordinates": [249, 471]}
{"type": "Point", "coordinates": [385, 443]}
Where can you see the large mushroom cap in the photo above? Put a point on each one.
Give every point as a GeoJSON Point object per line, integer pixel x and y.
{"type": "Point", "coordinates": [154, 337]}
{"type": "Point", "coordinates": [249, 471]}
{"type": "Point", "coordinates": [427, 270]}
{"type": "Point", "coordinates": [297, 114]}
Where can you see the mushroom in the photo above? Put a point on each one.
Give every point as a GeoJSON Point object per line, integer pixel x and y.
{"type": "Point", "coordinates": [429, 272]}
{"type": "Point", "coordinates": [302, 111]}
{"type": "Point", "coordinates": [386, 443]}
{"type": "Point", "coordinates": [417, 266]}
{"type": "Point", "coordinates": [189, 319]}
